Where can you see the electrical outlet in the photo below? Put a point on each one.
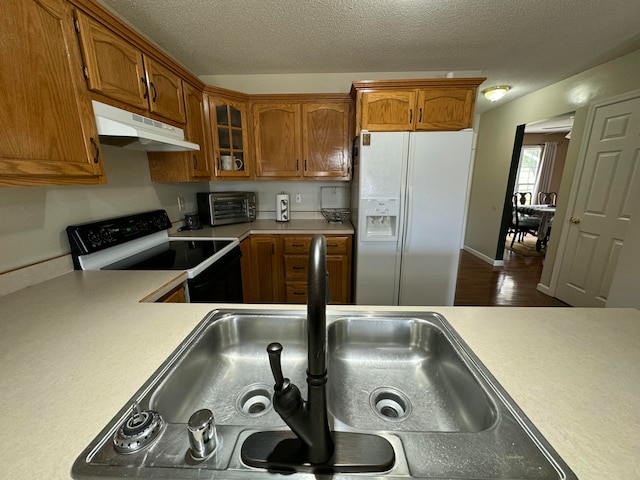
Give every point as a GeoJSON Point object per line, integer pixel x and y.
{"type": "Point", "coordinates": [298, 198]}
{"type": "Point", "coordinates": [181, 204]}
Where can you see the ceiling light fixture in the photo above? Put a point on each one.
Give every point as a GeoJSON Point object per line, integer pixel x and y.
{"type": "Point", "coordinates": [496, 93]}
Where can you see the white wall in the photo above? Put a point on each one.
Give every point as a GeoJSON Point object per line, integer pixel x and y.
{"type": "Point", "coordinates": [33, 219]}
{"type": "Point", "coordinates": [495, 144]}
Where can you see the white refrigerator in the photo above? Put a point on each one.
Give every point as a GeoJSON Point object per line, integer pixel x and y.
{"type": "Point", "coordinates": [409, 200]}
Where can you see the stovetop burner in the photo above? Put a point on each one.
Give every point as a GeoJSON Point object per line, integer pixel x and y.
{"type": "Point", "coordinates": [141, 242]}
{"type": "Point", "coordinates": [172, 255]}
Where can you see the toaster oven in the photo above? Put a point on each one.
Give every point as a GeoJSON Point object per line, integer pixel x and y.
{"type": "Point", "coordinates": [222, 208]}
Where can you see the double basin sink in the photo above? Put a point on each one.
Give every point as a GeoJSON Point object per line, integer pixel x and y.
{"type": "Point", "coordinates": [407, 377]}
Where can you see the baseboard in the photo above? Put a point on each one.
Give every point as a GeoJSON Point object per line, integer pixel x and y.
{"type": "Point", "coordinates": [482, 256]}
{"type": "Point", "coordinates": [544, 289]}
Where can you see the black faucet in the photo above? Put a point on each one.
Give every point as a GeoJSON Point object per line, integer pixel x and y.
{"type": "Point", "coordinates": [309, 419]}
{"type": "Point", "coordinates": [311, 448]}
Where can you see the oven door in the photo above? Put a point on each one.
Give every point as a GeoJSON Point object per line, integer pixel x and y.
{"type": "Point", "coordinates": [219, 283]}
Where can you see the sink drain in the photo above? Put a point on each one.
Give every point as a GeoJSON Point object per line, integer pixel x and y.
{"type": "Point", "coordinates": [390, 404]}
{"type": "Point", "coordinates": [254, 400]}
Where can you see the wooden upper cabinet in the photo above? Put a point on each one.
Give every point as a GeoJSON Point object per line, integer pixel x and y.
{"type": "Point", "coordinates": [49, 134]}
{"type": "Point", "coordinates": [445, 109]}
{"type": "Point", "coordinates": [302, 140]}
{"type": "Point", "coordinates": [325, 139]}
{"type": "Point", "coordinates": [119, 70]}
{"type": "Point", "coordinates": [196, 131]}
{"type": "Point", "coordinates": [185, 166]}
{"type": "Point", "coordinates": [415, 105]}
{"type": "Point", "coordinates": [388, 110]}
{"type": "Point", "coordinates": [230, 138]}
{"type": "Point", "coordinates": [165, 91]}
{"type": "Point", "coordinates": [277, 136]}
{"type": "Point", "coordinates": [113, 66]}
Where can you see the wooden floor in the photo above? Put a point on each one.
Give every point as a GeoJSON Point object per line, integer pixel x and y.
{"type": "Point", "coordinates": [480, 284]}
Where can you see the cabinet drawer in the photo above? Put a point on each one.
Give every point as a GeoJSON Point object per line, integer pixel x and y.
{"type": "Point", "coordinates": [296, 292]}
{"type": "Point", "coordinates": [296, 244]}
{"type": "Point", "coordinates": [296, 266]}
{"type": "Point", "coordinates": [335, 244]}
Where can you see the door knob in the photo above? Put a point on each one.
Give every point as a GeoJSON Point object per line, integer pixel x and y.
{"type": "Point", "coordinates": [574, 220]}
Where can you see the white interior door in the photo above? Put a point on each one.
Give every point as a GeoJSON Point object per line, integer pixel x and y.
{"type": "Point", "coordinates": [610, 175]}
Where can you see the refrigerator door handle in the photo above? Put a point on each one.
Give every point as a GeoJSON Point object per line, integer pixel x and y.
{"type": "Point", "coordinates": [408, 201]}
{"type": "Point", "coordinates": [407, 218]}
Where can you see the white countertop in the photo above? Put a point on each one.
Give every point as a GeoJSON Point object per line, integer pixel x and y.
{"type": "Point", "coordinates": [75, 349]}
{"type": "Point", "coordinates": [242, 230]}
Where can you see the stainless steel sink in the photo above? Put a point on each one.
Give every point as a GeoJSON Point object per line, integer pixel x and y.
{"type": "Point", "coordinates": [407, 377]}
{"type": "Point", "coordinates": [402, 375]}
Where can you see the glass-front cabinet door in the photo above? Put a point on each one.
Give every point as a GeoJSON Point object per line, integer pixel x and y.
{"type": "Point", "coordinates": [228, 124]}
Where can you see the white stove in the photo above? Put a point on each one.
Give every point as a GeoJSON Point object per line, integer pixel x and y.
{"type": "Point", "coordinates": [141, 242]}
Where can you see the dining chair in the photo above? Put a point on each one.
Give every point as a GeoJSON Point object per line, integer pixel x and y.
{"type": "Point", "coordinates": [524, 198]}
{"type": "Point", "coordinates": [521, 224]}
{"type": "Point", "coordinates": [547, 198]}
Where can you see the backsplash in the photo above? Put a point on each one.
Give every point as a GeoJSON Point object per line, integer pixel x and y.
{"type": "Point", "coordinates": [266, 191]}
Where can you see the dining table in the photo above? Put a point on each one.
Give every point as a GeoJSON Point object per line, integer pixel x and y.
{"type": "Point", "coordinates": [545, 213]}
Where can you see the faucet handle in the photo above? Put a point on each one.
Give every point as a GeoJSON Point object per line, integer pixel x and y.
{"type": "Point", "coordinates": [275, 350]}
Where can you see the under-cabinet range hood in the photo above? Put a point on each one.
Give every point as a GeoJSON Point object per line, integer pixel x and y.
{"type": "Point", "coordinates": [120, 128]}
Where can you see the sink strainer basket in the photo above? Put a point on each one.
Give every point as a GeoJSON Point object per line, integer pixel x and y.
{"type": "Point", "coordinates": [336, 215]}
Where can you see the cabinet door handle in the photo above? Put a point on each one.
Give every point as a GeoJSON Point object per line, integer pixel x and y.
{"type": "Point", "coordinates": [298, 268]}
{"type": "Point", "coordinates": [273, 249]}
{"type": "Point", "coordinates": [146, 88]}
{"type": "Point", "coordinates": [96, 156]}
{"type": "Point", "coordinates": [297, 244]}
{"type": "Point", "coordinates": [155, 92]}
{"type": "Point", "coordinates": [305, 164]}
{"type": "Point", "coordinates": [297, 166]}
{"type": "Point", "coordinates": [420, 116]}
{"type": "Point", "coordinates": [410, 115]}
{"type": "Point", "coordinates": [332, 245]}
{"type": "Point", "coordinates": [195, 162]}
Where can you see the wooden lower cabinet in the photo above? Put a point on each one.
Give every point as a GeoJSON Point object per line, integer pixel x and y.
{"type": "Point", "coordinates": [339, 268]}
{"type": "Point", "coordinates": [176, 295]}
{"type": "Point", "coordinates": [265, 270]}
{"type": "Point", "coordinates": [279, 268]}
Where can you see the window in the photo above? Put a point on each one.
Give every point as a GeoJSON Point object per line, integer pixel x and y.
{"type": "Point", "coordinates": [528, 168]}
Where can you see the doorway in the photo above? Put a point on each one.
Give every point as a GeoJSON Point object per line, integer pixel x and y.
{"type": "Point", "coordinates": [543, 145]}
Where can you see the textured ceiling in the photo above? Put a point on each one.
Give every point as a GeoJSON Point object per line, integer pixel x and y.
{"type": "Point", "coordinates": [523, 43]}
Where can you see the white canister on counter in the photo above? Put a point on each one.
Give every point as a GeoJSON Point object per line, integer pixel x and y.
{"type": "Point", "coordinates": [282, 207]}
